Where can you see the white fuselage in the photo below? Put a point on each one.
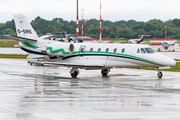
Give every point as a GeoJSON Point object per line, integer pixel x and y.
{"type": "Point", "coordinates": [111, 55]}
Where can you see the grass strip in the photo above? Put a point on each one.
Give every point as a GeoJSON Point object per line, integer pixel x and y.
{"type": "Point", "coordinates": [13, 56]}
{"type": "Point", "coordinates": [8, 43]}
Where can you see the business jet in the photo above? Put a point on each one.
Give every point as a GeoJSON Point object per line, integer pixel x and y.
{"type": "Point", "coordinates": [88, 56]}
{"type": "Point", "coordinates": [137, 41]}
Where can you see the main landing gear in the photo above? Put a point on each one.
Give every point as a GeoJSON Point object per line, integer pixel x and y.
{"type": "Point", "coordinates": [159, 74]}
{"type": "Point", "coordinates": [104, 72]}
{"type": "Point", "coordinates": [74, 72]}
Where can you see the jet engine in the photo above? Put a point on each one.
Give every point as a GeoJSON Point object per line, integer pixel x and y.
{"type": "Point", "coordinates": [59, 49]}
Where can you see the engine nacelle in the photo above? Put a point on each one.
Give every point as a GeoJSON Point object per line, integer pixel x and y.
{"type": "Point", "coordinates": [59, 49]}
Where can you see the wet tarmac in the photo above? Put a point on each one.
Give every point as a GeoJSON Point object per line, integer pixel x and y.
{"type": "Point", "coordinates": [49, 93]}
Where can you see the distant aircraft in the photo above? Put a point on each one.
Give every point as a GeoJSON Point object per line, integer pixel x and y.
{"type": "Point", "coordinates": [88, 56]}
{"type": "Point", "coordinates": [137, 41]}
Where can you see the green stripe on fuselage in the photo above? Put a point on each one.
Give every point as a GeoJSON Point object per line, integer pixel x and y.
{"type": "Point", "coordinates": [48, 48]}
{"type": "Point", "coordinates": [118, 54]}
{"type": "Point", "coordinates": [29, 45]}
{"type": "Point", "coordinates": [57, 51]}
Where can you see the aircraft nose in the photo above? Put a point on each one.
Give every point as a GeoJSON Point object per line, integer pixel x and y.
{"type": "Point", "coordinates": [172, 63]}
{"type": "Point", "coordinates": [169, 61]}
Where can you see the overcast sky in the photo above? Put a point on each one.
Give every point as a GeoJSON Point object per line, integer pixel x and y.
{"type": "Point", "coordinates": [113, 10]}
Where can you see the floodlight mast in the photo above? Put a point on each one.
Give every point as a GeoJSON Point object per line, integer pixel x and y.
{"type": "Point", "coordinates": [82, 22]}
{"type": "Point", "coordinates": [77, 23]}
{"type": "Point", "coordinates": [100, 21]}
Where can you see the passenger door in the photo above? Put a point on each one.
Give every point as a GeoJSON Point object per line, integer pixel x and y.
{"type": "Point", "coordinates": [82, 50]}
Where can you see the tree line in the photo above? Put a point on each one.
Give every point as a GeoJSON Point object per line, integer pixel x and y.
{"type": "Point", "coordinates": [119, 29]}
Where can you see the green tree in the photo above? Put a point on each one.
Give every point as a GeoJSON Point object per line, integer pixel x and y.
{"type": "Point", "coordinates": [70, 30]}
{"type": "Point", "coordinates": [3, 26]}
{"type": "Point", "coordinates": [11, 24]}
{"type": "Point", "coordinates": [9, 31]}
{"type": "Point", "coordinates": [124, 33]}
{"type": "Point", "coordinates": [51, 29]}
{"type": "Point", "coordinates": [38, 32]}
{"type": "Point", "coordinates": [114, 29]}
{"type": "Point", "coordinates": [112, 35]}
{"type": "Point", "coordinates": [177, 35]}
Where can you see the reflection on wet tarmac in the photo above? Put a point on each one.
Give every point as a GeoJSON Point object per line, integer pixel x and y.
{"type": "Point", "coordinates": [44, 93]}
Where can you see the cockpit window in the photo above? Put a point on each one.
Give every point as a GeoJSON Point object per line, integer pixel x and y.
{"type": "Point", "coordinates": [143, 51]}
{"type": "Point", "coordinates": [138, 51]}
{"type": "Point", "coordinates": [149, 50]}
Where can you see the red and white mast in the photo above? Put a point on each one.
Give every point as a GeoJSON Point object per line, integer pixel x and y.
{"type": "Point", "coordinates": [77, 23]}
{"type": "Point", "coordinates": [82, 21]}
{"type": "Point", "coordinates": [100, 20]}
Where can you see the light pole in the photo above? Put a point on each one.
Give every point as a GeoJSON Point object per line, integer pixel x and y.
{"type": "Point", "coordinates": [82, 21]}
{"type": "Point", "coordinates": [100, 21]}
{"type": "Point", "coordinates": [77, 23]}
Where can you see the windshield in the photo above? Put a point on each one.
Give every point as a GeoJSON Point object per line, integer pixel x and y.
{"type": "Point", "coordinates": [149, 50]}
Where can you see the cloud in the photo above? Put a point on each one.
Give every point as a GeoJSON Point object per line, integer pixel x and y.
{"type": "Point", "coordinates": [140, 10]}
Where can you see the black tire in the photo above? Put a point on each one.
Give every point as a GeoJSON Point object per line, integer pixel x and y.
{"type": "Point", "coordinates": [159, 74]}
{"type": "Point", "coordinates": [104, 72]}
{"type": "Point", "coordinates": [75, 73]}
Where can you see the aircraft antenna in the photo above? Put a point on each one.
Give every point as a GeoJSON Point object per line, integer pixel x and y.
{"type": "Point", "coordinates": [100, 20]}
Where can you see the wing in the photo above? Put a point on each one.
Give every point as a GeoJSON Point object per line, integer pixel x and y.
{"type": "Point", "coordinates": [20, 39]}
{"type": "Point", "coordinates": [74, 64]}
{"type": "Point", "coordinates": [79, 65]}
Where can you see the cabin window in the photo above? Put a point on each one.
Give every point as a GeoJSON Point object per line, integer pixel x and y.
{"type": "Point", "coordinates": [138, 51]}
{"type": "Point", "coordinates": [149, 50]}
{"type": "Point", "coordinates": [115, 50]}
{"type": "Point", "coordinates": [99, 50]}
{"type": "Point", "coordinates": [91, 50]}
{"type": "Point", "coordinates": [107, 50]}
{"type": "Point", "coordinates": [143, 51]}
{"type": "Point", "coordinates": [123, 50]}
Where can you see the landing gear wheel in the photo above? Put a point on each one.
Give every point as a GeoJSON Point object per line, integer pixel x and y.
{"type": "Point", "coordinates": [104, 72]}
{"type": "Point", "coordinates": [75, 74]}
{"type": "Point", "coordinates": [159, 74]}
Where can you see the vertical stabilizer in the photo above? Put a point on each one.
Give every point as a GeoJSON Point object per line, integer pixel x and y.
{"type": "Point", "coordinates": [24, 28]}
{"type": "Point", "coordinates": [141, 39]}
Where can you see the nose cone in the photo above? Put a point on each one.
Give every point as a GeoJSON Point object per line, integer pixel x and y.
{"type": "Point", "coordinates": [172, 62]}
{"type": "Point", "coordinates": [167, 61]}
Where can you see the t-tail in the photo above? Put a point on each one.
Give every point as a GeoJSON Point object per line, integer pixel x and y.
{"type": "Point", "coordinates": [27, 38]}
{"type": "Point", "coordinates": [141, 39]}
{"type": "Point", "coordinates": [24, 28]}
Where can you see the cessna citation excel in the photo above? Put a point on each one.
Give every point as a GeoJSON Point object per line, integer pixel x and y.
{"type": "Point", "coordinates": [88, 56]}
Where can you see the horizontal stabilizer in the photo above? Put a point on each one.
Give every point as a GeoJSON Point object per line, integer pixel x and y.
{"type": "Point", "coordinates": [20, 39]}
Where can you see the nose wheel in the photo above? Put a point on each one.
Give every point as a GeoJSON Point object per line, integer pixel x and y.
{"type": "Point", "coordinates": [159, 74]}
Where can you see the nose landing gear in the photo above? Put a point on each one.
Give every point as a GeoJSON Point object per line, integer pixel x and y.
{"type": "Point", "coordinates": [159, 74]}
